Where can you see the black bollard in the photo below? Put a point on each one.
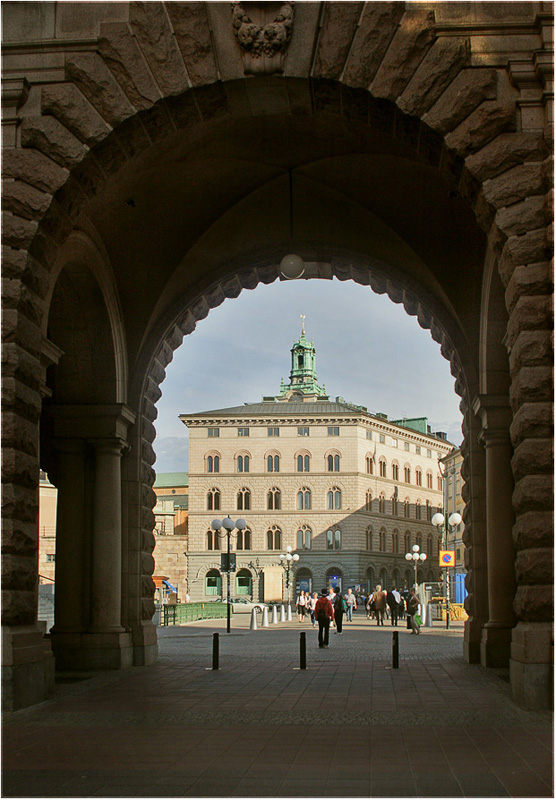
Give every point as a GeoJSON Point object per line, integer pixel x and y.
{"type": "Point", "coordinates": [215, 651]}
{"type": "Point", "coordinates": [395, 650]}
{"type": "Point", "coordinates": [302, 651]}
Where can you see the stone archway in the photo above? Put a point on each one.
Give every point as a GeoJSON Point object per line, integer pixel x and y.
{"type": "Point", "coordinates": [121, 146]}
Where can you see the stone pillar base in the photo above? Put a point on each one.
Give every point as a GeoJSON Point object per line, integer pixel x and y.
{"type": "Point", "coordinates": [92, 651]}
{"type": "Point", "coordinates": [472, 641]}
{"type": "Point", "coordinates": [27, 667]}
{"type": "Point", "coordinates": [495, 646]}
{"type": "Point", "coordinates": [532, 665]}
{"type": "Point", "coordinates": [145, 644]}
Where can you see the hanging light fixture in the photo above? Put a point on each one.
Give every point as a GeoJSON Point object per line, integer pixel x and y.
{"type": "Point", "coordinates": [292, 266]}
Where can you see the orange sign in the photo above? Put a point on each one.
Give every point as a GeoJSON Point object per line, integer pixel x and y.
{"type": "Point", "coordinates": [447, 558]}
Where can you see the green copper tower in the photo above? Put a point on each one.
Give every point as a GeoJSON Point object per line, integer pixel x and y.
{"type": "Point", "coordinates": [303, 376]}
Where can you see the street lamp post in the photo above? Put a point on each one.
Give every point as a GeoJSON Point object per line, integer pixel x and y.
{"type": "Point", "coordinates": [286, 562]}
{"type": "Point", "coordinates": [415, 556]}
{"type": "Point", "coordinates": [229, 525]}
{"type": "Point", "coordinates": [446, 525]}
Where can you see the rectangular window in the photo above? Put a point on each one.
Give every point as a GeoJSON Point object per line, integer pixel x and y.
{"type": "Point", "coordinates": [303, 431]}
{"type": "Point", "coordinates": [50, 557]}
{"type": "Point", "coordinates": [213, 432]}
{"type": "Point", "coordinates": [333, 431]}
{"type": "Point", "coordinates": [369, 434]}
{"type": "Point", "coordinates": [394, 442]}
{"type": "Point", "coordinates": [406, 445]}
{"type": "Point", "coordinates": [429, 454]}
{"type": "Point", "coordinates": [418, 450]}
{"type": "Point", "coordinates": [381, 438]}
{"type": "Point", "coordinates": [243, 431]}
{"type": "Point", "coordinates": [273, 431]}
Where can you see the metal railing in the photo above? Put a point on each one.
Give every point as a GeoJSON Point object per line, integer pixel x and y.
{"type": "Point", "coordinates": [189, 612]}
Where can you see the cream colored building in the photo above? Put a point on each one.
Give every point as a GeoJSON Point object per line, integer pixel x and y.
{"type": "Point", "coordinates": [453, 501]}
{"type": "Point", "coordinates": [348, 490]}
{"type": "Point", "coordinates": [170, 533]}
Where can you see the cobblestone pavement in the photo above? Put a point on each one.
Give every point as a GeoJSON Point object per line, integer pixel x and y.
{"type": "Point", "coordinates": [348, 725]}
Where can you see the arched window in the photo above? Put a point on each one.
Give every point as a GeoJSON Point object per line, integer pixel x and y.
{"type": "Point", "coordinates": [418, 509]}
{"type": "Point", "coordinates": [395, 471]}
{"type": "Point", "coordinates": [382, 540]}
{"type": "Point", "coordinates": [304, 538]}
{"type": "Point", "coordinates": [369, 539]}
{"type": "Point", "coordinates": [407, 541]}
{"type": "Point", "coordinates": [304, 499]}
{"type": "Point", "coordinates": [243, 499]}
{"type": "Point", "coordinates": [334, 539]}
{"type": "Point", "coordinates": [213, 463]}
{"type": "Point", "coordinates": [369, 501]}
{"type": "Point", "coordinates": [407, 474]}
{"type": "Point", "coordinates": [274, 538]}
{"type": "Point", "coordinates": [429, 480]}
{"type": "Point", "coordinates": [334, 498]}
{"type": "Point", "coordinates": [333, 463]}
{"type": "Point", "coordinates": [369, 465]}
{"type": "Point", "coordinates": [429, 545]}
{"type": "Point", "coordinates": [303, 463]}
{"type": "Point", "coordinates": [395, 504]}
{"type": "Point", "coordinates": [274, 499]}
{"type": "Point", "coordinates": [273, 463]}
{"type": "Point", "coordinates": [244, 583]}
{"type": "Point", "coordinates": [419, 539]}
{"type": "Point", "coordinates": [243, 540]}
{"type": "Point", "coordinates": [213, 582]}
{"type": "Point", "coordinates": [440, 483]}
{"type": "Point", "coordinates": [395, 542]}
{"type": "Point", "coordinates": [419, 476]}
{"type": "Point", "coordinates": [406, 507]}
{"type": "Point", "coordinates": [243, 463]}
{"type": "Point", "coordinates": [213, 500]}
{"type": "Point", "coordinates": [382, 467]}
{"type": "Point", "coordinates": [382, 504]}
{"type": "Point", "coordinates": [213, 540]}
{"type": "Point", "coordinates": [429, 510]}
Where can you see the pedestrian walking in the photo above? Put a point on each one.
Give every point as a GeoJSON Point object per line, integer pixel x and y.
{"type": "Point", "coordinates": [311, 606]}
{"type": "Point", "coordinates": [378, 601]}
{"type": "Point", "coordinates": [369, 605]}
{"type": "Point", "coordinates": [401, 608]}
{"type": "Point", "coordinates": [412, 609]}
{"type": "Point", "coordinates": [339, 606]}
{"type": "Point", "coordinates": [324, 614]}
{"type": "Point", "coordinates": [301, 605]}
{"type": "Point", "coordinates": [351, 603]}
{"type": "Point", "coordinates": [393, 603]}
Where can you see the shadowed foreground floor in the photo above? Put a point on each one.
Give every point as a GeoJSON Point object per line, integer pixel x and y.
{"type": "Point", "coordinates": [348, 725]}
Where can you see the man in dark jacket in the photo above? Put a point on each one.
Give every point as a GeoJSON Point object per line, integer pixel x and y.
{"type": "Point", "coordinates": [393, 604]}
{"type": "Point", "coordinates": [338, 606]}
{"type": "Point", "coordinates": [324, 614]}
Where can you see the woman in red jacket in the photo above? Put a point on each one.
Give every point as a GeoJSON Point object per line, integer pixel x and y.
{"type": "Point", "coordinates": [324, 614]}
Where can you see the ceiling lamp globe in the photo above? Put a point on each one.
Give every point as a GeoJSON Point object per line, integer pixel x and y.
{"type": "Point", "coordinates": [292, 266]}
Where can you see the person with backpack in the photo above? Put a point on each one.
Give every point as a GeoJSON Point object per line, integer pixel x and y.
{"type": "Point", "coordinates": [339, 606]}
{"type": "Point", "coordinates": [324, 614]}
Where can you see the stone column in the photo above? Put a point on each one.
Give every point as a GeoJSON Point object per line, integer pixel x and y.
{"type": "Point", "coordinates": [69, 602]}
{"type": "Point", "coordinates": [495, 414]}
{"type": "Point", "coordinates": [106, 562]}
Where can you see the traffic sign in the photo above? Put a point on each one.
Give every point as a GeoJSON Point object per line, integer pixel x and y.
{"type": "Point", "coordinates": [447, 558]}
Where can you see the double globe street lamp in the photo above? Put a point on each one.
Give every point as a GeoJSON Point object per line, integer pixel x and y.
{"type": "Point", "coordinates": [446, 525]}
{"type": "Point", "coordinates": [287, 561]}
{"type": "Point", "coordinates": [229, 525]}
{"type": "Point", "coordinates": [415, 556]}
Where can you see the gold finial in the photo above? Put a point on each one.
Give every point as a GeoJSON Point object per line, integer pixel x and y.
{"type": "Point", "coordinates": [302, 324]}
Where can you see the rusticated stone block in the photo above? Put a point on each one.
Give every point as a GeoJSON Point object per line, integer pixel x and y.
{"type": "Point", "coordinates": [43, 248]}
{"type": "Point", "coordinates": [123, 56]}
{"type": "Point", "coordinates": [534, 529]}
{"type": "Point", "coordinates": [150, 25]}
{"type": "Point", "coordinates": [528, 215]}
{"type": "Point", "coordinates": [18, 607]}
{"type": "Point", "coordinates": [19, 502]}
{"type": "Point", "coordinates": [20, 538]}
{"type": "Point", "coordinates": [21, 363]}
{"type": "Point", "coordinates": [99, 86]}
{"type": "Point", "coordinates": [192, 31]}
{"type": "Point", "coordinates": [157, 372]}
{"type": "Point", "coordinates": [530, 248]}
{"type": "Point", "coordinates": [110, 155]}
{"type": "Point", "coordinates": [34, 168]}
{"type": "Point", "coordinates": [49, 136]}
{"type": "Point", "coordinates": [18, 328]}
{"type": "Point", "coordinates": [148, 431]}
{"type": "Point", "coordinates": [532, 349]}
{"type": "Point", "coordinates": [157, 122]}
{"type": "Point", "coordinates": [132, 137]}
{"type": "Point", "coordinates": [148, 496]}
{"type": "Point", "coordinates": [147, 564]}
{"type": "Point", "coordinates": [20, 434]}
{"type": "Point", "coordinates": [16, 295]}
{"type": "Point", "coordinates": [147, 606]}
{"type": "Point", "coordinates": [530, 279]}
{"type": "Point", "coordinates": [468, 89]}
{"type": "Point", "coordinates": [17, 232]}
{"type": "Point", "coordinates": [21, 400]}
{"type": "Point", "coordinates": [412, 40]}
{"type": "Point", "coordinates": [490, 119]}
{"type": "Point", "coordinates": [375, 31]}
{"type": "Point", "coordinates": [22, 467]}
{"type": "Point", "coordinates": [525, 180]}
{"type": "Point", "coordinates": [147, 518]}
{"type": "Point", "coordinates": [530, 314]}
{"type": "Point", "coordinates": [147, 541]}
{"type": "Point", "coordinates": [339, 23]}
{"type": "Point", "coordinates": [534, 420]}
{"type": "Point", "coordinates": [440, 66]}
{"type": "Point", "coordinates": [149, 410]}
{"type": "Point", "coordinates": [18, 572]}
{"type": "Point", "coordinates": [147, 453]}
{"type": "Point", "coordinates": [533, 493]}
{"type": "Point", "coordinates": [65, 102]}
{"type": "Point", "coordinates": [183, 110]}
{"type": "Point", "coordinates": [504, 152]}
{"type": "Point", "coordinates": [534, 567]}
{"type": "Point", "coordinates": [147, 586]}
{"type": "Point", "coordinates": [533, 455]}
{"type": "Point", "coordinates": [531, 385]}
{"type": "Point", "coordinates": [534, 603]}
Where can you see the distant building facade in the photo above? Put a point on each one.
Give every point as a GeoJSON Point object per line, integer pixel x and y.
{"type": "Point", "coordinates": [170, 533]}
{"type": "Point", "coordinates": [349, 491]}
{"type": "Point", "coordinates": [453, 502]}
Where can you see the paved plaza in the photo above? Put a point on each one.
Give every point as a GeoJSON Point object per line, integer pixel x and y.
{"type": "Point", "coordinates": [348, 725]}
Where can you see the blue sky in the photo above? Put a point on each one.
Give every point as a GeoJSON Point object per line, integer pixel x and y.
{"type": "Point", "coordinates": [369, 351]}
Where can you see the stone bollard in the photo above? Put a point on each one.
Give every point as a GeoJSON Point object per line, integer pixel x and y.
{"type": "Point", "coordinates": [427, 622]}
{"type": "Point", "coordinates": [289, 613]}
{"type": "Point", "coordinates": [274, 615]}
{"type": "Point", "coordinates": [395, 651]}
{"type": "Point", "coordinates": [215, 651]}
{"type": "Point", "coordinates": [265, 617]}
{"type": "Point", "coordinates": [253, 626]}
{"type": "Point", "coordinates": [302, 651]}
{"type": "Point", "coordinates": [282, 614]}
